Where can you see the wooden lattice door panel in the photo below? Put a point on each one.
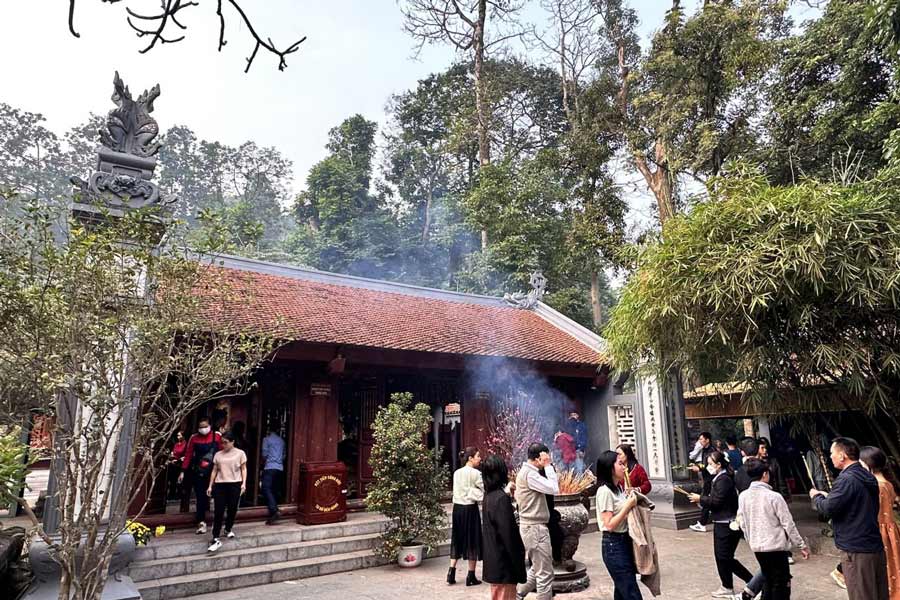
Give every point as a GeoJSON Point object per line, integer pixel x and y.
{"type": "Point", "coordinates": [624, 425]}
{"type": "Point", "coordinates": [369, 398]}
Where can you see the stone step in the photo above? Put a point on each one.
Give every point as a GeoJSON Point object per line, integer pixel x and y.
{"type": "Point", "coordinates": [233, 556]}
{"type": "Point", "coordinates": [183, 586]}
{"type": "Point", "coordinates": [257, 536]}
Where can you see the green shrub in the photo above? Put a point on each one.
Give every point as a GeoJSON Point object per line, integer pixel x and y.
{"type": "Point", "coordinates": [408, 483]}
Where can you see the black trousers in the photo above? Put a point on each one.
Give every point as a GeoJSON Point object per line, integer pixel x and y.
{"type": "Point", "coordinates": [226, 497]}
{"type": "Point", "coordinates": [725, 542]}
{"type": "Point", "coordinates": [201, 484]}
{"type": "Point", "coordinates": [777, 571]}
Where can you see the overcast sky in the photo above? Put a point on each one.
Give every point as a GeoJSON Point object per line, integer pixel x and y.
{"type": "Point", "coordinates": [355, 57]}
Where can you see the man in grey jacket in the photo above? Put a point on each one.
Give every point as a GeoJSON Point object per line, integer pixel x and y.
{"type": "Point", "coordinates": [534, 515]}
{"type": "Point", "coordinates": [770, 530]}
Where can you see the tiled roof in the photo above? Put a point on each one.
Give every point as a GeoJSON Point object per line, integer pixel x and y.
{"type": "Point", "coordinates": [306, 309]}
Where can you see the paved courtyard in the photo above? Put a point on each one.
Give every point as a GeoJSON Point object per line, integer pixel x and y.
{"type": "Point", "coordinates": [688, 572]}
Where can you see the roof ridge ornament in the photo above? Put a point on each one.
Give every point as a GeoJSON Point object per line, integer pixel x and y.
{"type": "Point", "coordinates": [531, 299]}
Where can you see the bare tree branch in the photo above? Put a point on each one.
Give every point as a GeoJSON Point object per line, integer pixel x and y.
{"type": "Point", "coordinates": [157, 26]}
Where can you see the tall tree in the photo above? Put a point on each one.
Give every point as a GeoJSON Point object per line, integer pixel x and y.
{"type": "Point", "coordinates": [29, 155]}
{"type": "Point", "coordinates": [463, 24]}
{"type": "Point", "coordinates": [693, 101]}
{"type": "Point", "coordinates": [343, 226]}
{"type": "Point", "coordinates": [588, 96]}
{"type": "Point", "coordinates": [834, 98]}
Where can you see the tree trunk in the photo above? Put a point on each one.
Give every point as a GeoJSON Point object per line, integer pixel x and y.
{"type": "Point", "coordinates": [427, 225]}
{"type": "Point", "coordinates": [595, 300]}
{"type": "Point", "coordinates": [659, 180]}
{"type": "Point", "coordinates": [481, 102]}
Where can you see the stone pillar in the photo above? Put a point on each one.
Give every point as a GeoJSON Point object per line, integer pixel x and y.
{"type": "Point", "coordinates": [661, 433]}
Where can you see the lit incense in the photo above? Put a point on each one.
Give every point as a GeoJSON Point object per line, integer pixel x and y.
{"type": "Point", "coordinates": [627, 478]}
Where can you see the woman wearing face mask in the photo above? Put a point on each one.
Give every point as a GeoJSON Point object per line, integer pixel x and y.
{"type": "Point", "coordinates": [227, 484]}
{"type": "Point", "coordinates": [198, 461]}
{"type": "Point", "coordinates": [722, 503]}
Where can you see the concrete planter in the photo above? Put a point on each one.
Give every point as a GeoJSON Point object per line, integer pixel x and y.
{"type": "Point", "coordinates": [47, 572]}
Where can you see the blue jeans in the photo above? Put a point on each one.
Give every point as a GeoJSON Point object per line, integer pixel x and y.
{"type": "Point", "coordinates": [270, 479]}
{"type": "Point", "coordinates": [618, 556]}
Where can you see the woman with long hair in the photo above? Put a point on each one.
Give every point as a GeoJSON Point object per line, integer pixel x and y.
{"type": "Point", "coordinates": [875, 460]}
{"type": "Point", "coordinates": [227, 484]}
{"type": "Point", "coordinates": [722, 503]}
{"type": "Point", "coordinates": [637, 476]}
{"type": "Point", "coordinates": [613, 506]}
{"type": "Point", "coordinates": [504, 552]}
{"type": "Point", "coordinates": [465, 538]}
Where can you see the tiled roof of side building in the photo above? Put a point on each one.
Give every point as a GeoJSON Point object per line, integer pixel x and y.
{"type": "Point", "coordinates": [313, 306]}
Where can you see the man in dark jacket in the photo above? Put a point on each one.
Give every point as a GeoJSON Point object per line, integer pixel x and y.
{"type": "Point", "coordinates": [749, 449]}
{"type": "Point", "coordinates": [852, 506]}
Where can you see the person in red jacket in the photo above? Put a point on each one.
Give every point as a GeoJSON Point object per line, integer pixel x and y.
{"type": "Point", "coordinates": [198, 461]}
{"type": "Point", "coordinates": [636, 473]}
{"type": "Point", "coordinates": [566, 445]}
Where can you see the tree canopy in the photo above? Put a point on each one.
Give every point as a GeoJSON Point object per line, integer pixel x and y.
{"type": "Point", "coordinates": [787, 289]}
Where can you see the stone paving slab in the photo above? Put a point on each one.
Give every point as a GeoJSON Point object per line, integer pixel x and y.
{"type": "Point", "coordinates": [686, 561]}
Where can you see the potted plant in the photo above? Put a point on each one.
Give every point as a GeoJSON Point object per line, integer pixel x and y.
{"type": "Point", "coordinates": [407, 486]}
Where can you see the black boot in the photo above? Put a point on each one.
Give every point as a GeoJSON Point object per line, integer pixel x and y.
{"type": "Point", "coordinates": [471, 579]}
{"type": "Point", "coordinates": [451, 576]}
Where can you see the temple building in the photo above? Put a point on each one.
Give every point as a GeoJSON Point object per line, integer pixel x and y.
{"type": "Point", "coordinates": [352, 342]}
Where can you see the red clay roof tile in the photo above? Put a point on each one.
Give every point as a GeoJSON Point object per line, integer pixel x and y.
{"type": "Point", "coordinates": [313, 311]}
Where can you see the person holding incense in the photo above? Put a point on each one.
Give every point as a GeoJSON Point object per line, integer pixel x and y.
{"type": "Point", "coordinates": [635, 475]}
{"type": "Point", "coordinates": [722, 503]}
{"type": "Point", "coordinates": [613, 506]}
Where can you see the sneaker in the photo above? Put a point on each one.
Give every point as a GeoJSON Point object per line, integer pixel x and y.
{"type": "Point", "coordinates": [216, 544]}
{"type": "Point", "coordinates": [229, 534]}
{"type": "Point", "coordinates": [723, 592]}
{"type": "Point", "coordinates": [698, 527]}
{"type": "Point", "coordinates": [201, 529]}
{"type": "Point", "coordinates": [838, 578]}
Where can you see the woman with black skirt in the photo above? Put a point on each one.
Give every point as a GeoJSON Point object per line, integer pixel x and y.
{"type": "Point", "coordinates": [468, 491]}
{"type": "Point", "coordinates": [504, 552]}
{"type": "Point", "coordinates": [722, 503]}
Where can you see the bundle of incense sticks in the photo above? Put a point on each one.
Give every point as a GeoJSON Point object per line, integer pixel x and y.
{"type": "Point", "coordinates": [681, 490]}
{"type": "Point", "coordinates": [809, 472]}
{"type": "Point", "coordinates": [627, 478]}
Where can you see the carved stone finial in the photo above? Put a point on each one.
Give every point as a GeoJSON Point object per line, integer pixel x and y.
{"type": "Point", "coordinates": [126, 158]}
{"type": "Point", "coordinates": [532, 298]}
{"type": "Point", "coordinates": [129, 126]}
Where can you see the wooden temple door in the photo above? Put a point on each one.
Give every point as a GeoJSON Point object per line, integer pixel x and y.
{"type": "Point", "coordinates": [370, 396]}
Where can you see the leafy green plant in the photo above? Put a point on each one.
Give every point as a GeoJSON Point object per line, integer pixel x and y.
{"type": "Point", "coordinates": [791, 291]}
{"type": "Point", "coordinates": [13, 467]}
{"type": "Point", "coordinates": [408, 485]}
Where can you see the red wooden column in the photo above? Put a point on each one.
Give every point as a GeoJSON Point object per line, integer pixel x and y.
{"type": "Point", "coordinates": [316, 426]}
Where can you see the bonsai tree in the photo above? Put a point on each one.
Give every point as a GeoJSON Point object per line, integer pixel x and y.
{"type": "Point", "coordinates": [407, 488]}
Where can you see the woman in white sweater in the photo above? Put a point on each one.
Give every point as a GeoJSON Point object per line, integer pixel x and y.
{"type": "Point", "coordinates": [465, 539]}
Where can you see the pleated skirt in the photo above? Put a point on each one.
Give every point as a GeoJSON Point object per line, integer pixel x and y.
{"type": "Point", "coordinates": [465, 538]}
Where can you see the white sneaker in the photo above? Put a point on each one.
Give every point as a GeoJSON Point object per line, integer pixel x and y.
{"type": "Point", "coordinates": [229, 535]}
{"type": "Point", "coordinates": [201, 529]}
{"type": "Point", "coordinates": [723, 592]}
{"type": "Point", "coordinates": [216, 544]}
{"type": "Point", "coordinates": [698, 527]}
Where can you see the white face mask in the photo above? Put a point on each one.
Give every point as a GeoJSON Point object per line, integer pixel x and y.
{"type": "Point", "coordinates": [203, 430]}
{"type": "Point", "coordinates": [712, 470]}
